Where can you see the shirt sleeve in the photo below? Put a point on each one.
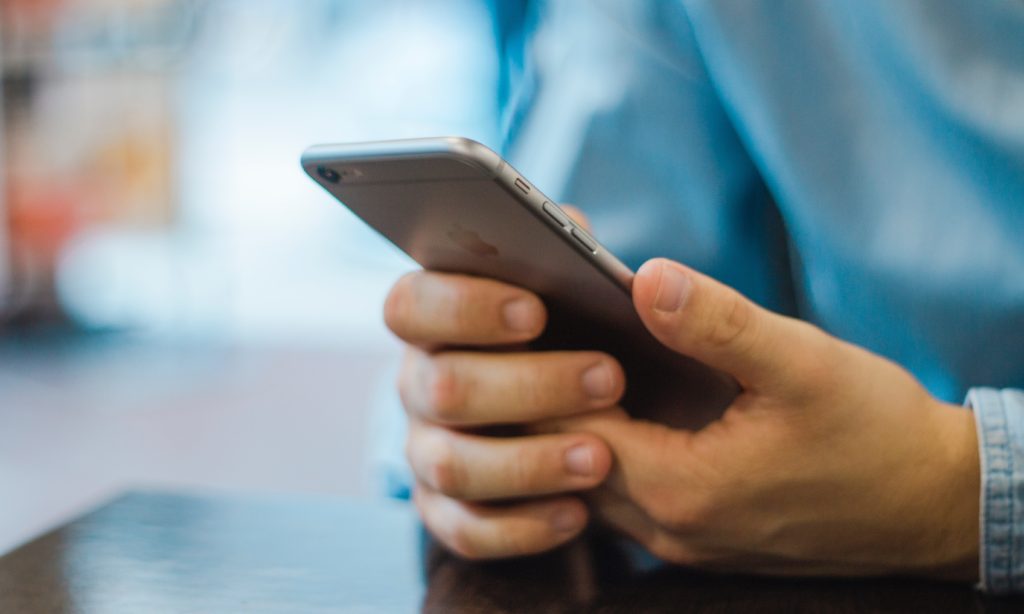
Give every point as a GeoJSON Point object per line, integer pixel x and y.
{"type": "Point", "coordinates": [999, 415]}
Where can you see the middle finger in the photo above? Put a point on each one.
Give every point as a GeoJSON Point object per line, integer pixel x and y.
{"type": "Point", "coordinates": [477, 389]}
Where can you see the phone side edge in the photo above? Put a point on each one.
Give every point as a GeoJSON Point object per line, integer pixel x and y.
{"type": "Point", "coordinates": [464, 149]}
{"type": "Point", "coordinates": [602, 258]}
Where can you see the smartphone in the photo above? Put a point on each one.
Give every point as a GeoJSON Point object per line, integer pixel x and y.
{"type": "Point", "coordinates": [454, 205]}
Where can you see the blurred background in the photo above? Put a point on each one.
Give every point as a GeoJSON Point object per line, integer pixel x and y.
{"type": "Point", "coordinates": [179, 305]}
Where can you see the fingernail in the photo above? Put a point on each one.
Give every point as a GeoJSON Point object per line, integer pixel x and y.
{"type": "Point", "coordinates": [597, 381]}
{"type": "Point", "coordinates": [565, 521]}
{"type": "Point", "coordinates": [579, 460]}
{"type": "Point", "coordinates": [520, 315]}
{"type": "Point", "coordinates": [673, 288]}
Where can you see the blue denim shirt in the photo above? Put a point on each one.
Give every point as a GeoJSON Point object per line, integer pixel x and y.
{"type": "Point", "coordinates": [858, 164]}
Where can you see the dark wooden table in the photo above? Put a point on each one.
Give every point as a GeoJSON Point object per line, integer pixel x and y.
{"type": "Point", "coordinates": [153, 552]}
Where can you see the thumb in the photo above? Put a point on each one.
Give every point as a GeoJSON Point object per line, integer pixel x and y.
{"type": "Point", "coordinates": [714, 324]}
{"type": "Point", "coordinates": [640, 448]}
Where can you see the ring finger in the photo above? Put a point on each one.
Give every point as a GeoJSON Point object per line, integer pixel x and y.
{"type": "Point", "coordinates": [477, 531]}
{"type": "Point", "coordinates": [476, 468]}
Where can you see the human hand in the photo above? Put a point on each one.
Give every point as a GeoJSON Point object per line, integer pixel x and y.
{"type": "Point", "coordinates": [465, 370]}
{"type": "Point", "coordinates": [832, 461]}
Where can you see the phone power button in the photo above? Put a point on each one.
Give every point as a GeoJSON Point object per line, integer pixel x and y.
{"type": "Point", "coordinates": [584, 240]}
{"type": "Point", "coordinates": [555, 214]}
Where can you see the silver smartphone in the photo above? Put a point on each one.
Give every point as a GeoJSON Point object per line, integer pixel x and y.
{"type": "Point", "coordinates": [454, 205]}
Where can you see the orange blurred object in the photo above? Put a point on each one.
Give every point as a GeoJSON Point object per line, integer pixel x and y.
{"type": "Point", "coordinates": [42, 217]}
{"type": "Point", "coordinates": [83, 144]}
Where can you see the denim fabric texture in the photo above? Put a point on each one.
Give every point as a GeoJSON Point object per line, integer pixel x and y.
{"type": "Point", "coordinates": [1000, 419]}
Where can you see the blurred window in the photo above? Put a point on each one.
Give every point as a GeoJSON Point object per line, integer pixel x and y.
{"type": "Point", "coordinates": [150, 150]}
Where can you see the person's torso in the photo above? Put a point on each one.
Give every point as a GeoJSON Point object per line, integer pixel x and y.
{"type": "Point", "coordinates": [859, 164]}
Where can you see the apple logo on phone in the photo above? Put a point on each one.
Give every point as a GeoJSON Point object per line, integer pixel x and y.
{"type": "Point", "coordinates": [471, 242]}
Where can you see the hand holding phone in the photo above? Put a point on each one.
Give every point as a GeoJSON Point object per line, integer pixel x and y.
{"type": "Point", "coordinates": [520, 322]}
{"type": "Point", "coordinates": [456, 207]}
{"type": "Point", "coordinates": [811, 471]}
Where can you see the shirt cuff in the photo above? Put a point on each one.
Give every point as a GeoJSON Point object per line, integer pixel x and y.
{"type": "Point", "coordinates": [999, 415]}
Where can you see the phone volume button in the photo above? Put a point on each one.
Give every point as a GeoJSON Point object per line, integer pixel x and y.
{"type": "Point", "coordinates": [555, 214]}
{"type": "Point", "coordinates": [584, 240]}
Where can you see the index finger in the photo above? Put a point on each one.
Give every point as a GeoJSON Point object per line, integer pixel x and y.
{"type": "Point", "coordinates": [427, 308]}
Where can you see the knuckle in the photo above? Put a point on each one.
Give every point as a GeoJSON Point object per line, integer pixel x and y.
{"type": "Point", "coordinates": [444, 394]}
{"type": "Point", "coordinates": [423, 504]}
{"type": "Point", "coordinates": [444, 468]}
{"type": "Point", "coordinates": [461, 540]}
{"type": "Point", "coordinates": [524, 474]}
{"type": "Point", "coordinates": [819, 363]}
{"type": "Point", "coordinates": [532, 384]}
{"type": "Point", "coordinates": [396, 305]}
{"type": "Point", "coordinates": [462, 305]}
{"type": "Point", "coordinates": [518, 476]}
{"type": "Point", "coordinates": [404, 382]}
{"type": "Point", "coordinates": [733, 324]}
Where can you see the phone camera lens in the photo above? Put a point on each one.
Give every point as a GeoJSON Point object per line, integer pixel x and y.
{"type": "Point", "coordinates": [328, 174]}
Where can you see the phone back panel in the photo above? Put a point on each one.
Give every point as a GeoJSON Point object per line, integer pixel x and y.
{"type": "Point", "coordinates": [455, 206]}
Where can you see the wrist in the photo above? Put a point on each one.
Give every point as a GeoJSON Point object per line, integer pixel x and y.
{"type": "Point", "coordinates": [956, 496]}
